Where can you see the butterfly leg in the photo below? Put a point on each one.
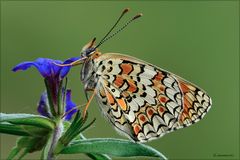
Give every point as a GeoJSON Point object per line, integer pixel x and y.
{"type": "Point", "coordinates": [88, 103]}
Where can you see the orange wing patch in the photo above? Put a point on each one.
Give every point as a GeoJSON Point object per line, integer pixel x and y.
{"type": "Point", "coordinates": [163, 99]}
{"type": "Point", "coordinates": [150, 111]}
{"type": "Point", "coordinates": [186, 104]}
{"type": "Point", "coordinates": [158, 77]}
{"type": "Point", "coordinates": [192, 103]}
{"type": "Point", "coordinates": [183, 87]}
{"type": "Point", "coordinates": [142, 119]}
{"type": "Point", "coordinates": [136, 129]}
{"type": "Point", "coordinates": [110, 98]}
{"type": "Point", "coordinates": [121, 102]}
{"type": "Point", "coordinates": [119, 81]}
{"type": "Point", "coordinates": [132, 87]}
{"type": "Point", "coordinates": [126, 68]}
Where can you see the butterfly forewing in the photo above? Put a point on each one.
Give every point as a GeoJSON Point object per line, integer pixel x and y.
{"type": "Point", "coordinates": [144, 101]}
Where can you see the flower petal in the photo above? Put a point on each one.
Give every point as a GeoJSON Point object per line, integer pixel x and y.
{"type": "Point", "coordinates": [45, 66]}
{"type": "Point", "coordinates": [39, 63]}
{"type": "Point", "coordinates": [23, 66]}
{"type": "Point", "coordinates": [43, 107]}
{"type": "Point", "coordinates": [69, 106]}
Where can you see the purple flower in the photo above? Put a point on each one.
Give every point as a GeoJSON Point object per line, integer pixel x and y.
{"type": "Point", "coordinates": [69, 105]}
{"type": "Point", "coordinates": [43, 106]}
{"type": "Point", "coordinates": [53, 75]}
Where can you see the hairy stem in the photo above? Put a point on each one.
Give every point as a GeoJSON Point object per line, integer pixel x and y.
{"type": "Point", "coordinates": [54, 139]}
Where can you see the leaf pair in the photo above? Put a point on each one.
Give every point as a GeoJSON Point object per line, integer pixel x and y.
{"type": "Point", "coordinates": [30, 127]}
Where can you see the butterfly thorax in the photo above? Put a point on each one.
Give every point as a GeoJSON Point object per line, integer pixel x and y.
{"type": "Point", "coordinates": [88, 72]}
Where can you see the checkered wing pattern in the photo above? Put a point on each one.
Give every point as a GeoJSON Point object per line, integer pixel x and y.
{"type": "Point", "coordinates": [143, 101]}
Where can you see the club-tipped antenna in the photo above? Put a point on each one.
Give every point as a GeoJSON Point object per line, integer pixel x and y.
{"type": "Point", "coordinates": [93, 41]}
{"type": "Point", "coordinates": [118, 20]}
{"type": "Point", "coordinates": [124, 26]}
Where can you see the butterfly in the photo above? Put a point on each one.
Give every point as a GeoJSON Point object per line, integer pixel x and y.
{"type": "Point", "coordinates": [141, 100]}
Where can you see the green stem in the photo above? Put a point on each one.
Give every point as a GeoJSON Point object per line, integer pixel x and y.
{"type": "Point", "coordinates": [69, 134]}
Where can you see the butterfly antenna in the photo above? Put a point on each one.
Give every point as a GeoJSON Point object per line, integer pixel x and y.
{"type": "Point", "coordinates": [118, 20]}
{"type": "Point", "coordinates": [126, 24]}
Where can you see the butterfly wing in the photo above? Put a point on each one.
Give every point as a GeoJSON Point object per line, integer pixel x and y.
{"type": "Point", "coordinates": [143, 101]}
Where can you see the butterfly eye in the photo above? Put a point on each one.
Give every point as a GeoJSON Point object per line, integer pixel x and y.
{"type": "Point", "coordinates": [88, 52]}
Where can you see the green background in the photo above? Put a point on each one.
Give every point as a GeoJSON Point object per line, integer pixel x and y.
{"type": "Point", "coordinates": [196, 40]}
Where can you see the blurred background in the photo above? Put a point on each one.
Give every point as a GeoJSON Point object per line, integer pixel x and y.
{"type": "Point", "coordinates": [198, 41]}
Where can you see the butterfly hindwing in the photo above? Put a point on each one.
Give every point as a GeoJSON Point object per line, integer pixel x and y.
{"type": "Point", "coordinates": [144, 101]}
{"type": "Point", "coordinates": [112, 111]}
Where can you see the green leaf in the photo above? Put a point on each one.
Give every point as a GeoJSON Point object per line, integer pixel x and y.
{"type": "Point", "coordinates": [28, 119]}
{"type": "Point", "coordinates": [13, 153]}
{"type": "Point", "coordinates": [98, 156]}
{"type": "Point", "coordinates": [78, 137]}
{"type": "Point", "coordinates": [36, 131]}
{"type": "Point", "coordinates": [114, 147]}
{"type": "Point", "coordinates": [87, 126]}
{"type": "Point", "coordinates": [22, 130]}
{"type": "Point", "coordinates": [24, 153]}
{"type": "Point", "coordinates": [94, 156]}
{"type": "Point", "coordinates": [32, 144]}
{"type": "Point", "coordinates": [46, 149]}
{"type": "Point", "coordinates": [27, 145]}
{"type": "Point", "coordinates": [66, 125]}
{"type": "Point", "coordinates": [13, 129]}
{"type": "Point", "coordinates": [5, 117]}
{"type": "Point", "coordinates": [71, 132]}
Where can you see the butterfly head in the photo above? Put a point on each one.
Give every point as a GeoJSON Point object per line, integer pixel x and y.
{"type": "Point", "coordinates": [89, 49]}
